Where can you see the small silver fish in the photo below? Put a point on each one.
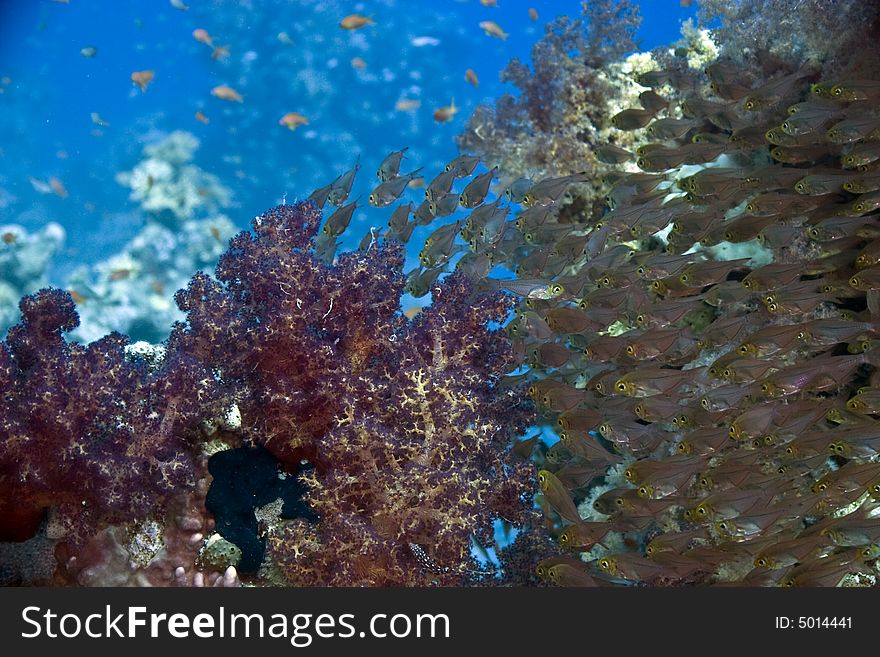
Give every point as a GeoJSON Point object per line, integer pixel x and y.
{"type": "Point", "coordinates": [440, 185]}
{"type": "Point", "coordinates": [390, 190]}
{"type": "Point", "coordinates": [517, 190]}
{"type": "Point", "coordinates": [339, 220]}
{"type": "Point", "coordinates": [463, 165]}
{"type": "Point", "coordinates": [341, 187]}
{"type": "Point", "coordinates": [442, 207]}
{"type": "Point", "coordinates": [477, 189]}
{"type": "Point", "coordinates": [390, 166]}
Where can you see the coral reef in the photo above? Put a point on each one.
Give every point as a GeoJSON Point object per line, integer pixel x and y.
{"type": "Point", "coordinates": [131, 292]}
{"type": "Point", "coordinates": [840, 37]}
{"type": "Point", "coordinates": [168, 186]}
{"type": "Point", "coordinates": [399, 418]}
{"type": "Point", "coordinates": [25, 259]}
{"type": "Point", "coordinates": [88, 432]}
{"type": "Point", "coordinates": [401, 423]}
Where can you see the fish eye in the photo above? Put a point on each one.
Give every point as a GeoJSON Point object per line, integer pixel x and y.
{"type": "Point", "coordinates": [749, 104]}
{"type": "Point", "coordinates": [800, 187]}
{"type": "Point", "coordinates": [854, 281]}
{"type": "Point", "coordinates": [641, 163]}
{"type": "Point", "coordinates": [814, 233]}
{"type": "Point", "coordinates": [743, 349]}
{"type": "Point", "coordinates": [563, 538]}
{"type": "Point", "coordinates": [542, 478]}
{"type": "Point", "coordinates": [641, 271]}
{"type": "Point", "coordinates": [372, 198]}
{"type": "Point", "coordinates": [761, 562]}
{"type": "Point", "coordinates": [619, 501]}
{"type": "Point", "coordinates": [786, 126]}
{"type": "Point", "coordinates": [683, 447]}
{"type": "Point", "coordinates": [603, 429]}
{"type": "Point", "coordinates": [641, 319]}
{"type": "Point", "coordinates": [605, 564]}
{"type": "Point", "coordinates": [704, 403]}
{"type": "Point", "coordinates": [773, 307]}
{"type": "Point", "coordinates": [629, 474]}
{"type": "Point", "coordinates": [727, 373]}
{"type": "Point", "coordinates": [621, 387]}
{"type": "Point", "coordinates": [644, 491]}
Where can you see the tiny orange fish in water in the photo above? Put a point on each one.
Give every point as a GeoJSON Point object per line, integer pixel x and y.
{"type": "Point", "coordinates": [201, 118]}
{"type": "Point", "coordinates": [78, 298]}
{"type": "Point", "coordinates": [533, 13]}
{"type": "Point", "coordinates": [407, 105]}
{"type": "Point", "coordinates": [201, 35]}
{"type": "Point", "coordinates": [142, 78]}
{"type": "Point", "coordinates": [292, 120]}
{"type": "Point", "coordinates": [216, 233]}
{"type": "Point", "coordinates": [444, 114]}
{"type": "Point", "coordinates": [355, 22]}
{"type": "Point", "coordinates": [58, 187]}
{"type": "Point", "coordinates": [493, 29]}
{"type": "Point", "coordinates": [220, 52]}
{"type": "Point", "coordinates": [489, 3]}
{"type": "Point", "coordinates": [471, 77]}
{"type": "Point", "coordinates": [358, 63]}
{"type": "Point", "coordinates": [119, 274]}
{"type": "Point", "coordinates": [225, 92]}
{"type": "Point", "coordinates": [8, 237]}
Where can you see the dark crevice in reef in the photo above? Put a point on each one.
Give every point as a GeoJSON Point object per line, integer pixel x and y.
{"type": "Point", "coordinates": [245, 479]}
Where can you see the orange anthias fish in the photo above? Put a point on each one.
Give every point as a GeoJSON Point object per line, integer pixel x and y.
{"type": "Point", "coordinates": [471, 76]}
{"type": "Point", "coordinates": [444, 114]}
{"type": "Point", "coordinates": [142, 78]}
{"type": "Point", "coordinates": [355, 22]}
{"type": "Point", "coordinates": [201, 118]}
{"type": "Point", "coordinates": [407, 105]}
{"type": "Point", "coordinates": [493, 29]}
{"type": "Point", "coordinates": [225, 92]}
{"type": "Point", "coordinates": [292, 120]}
{"type": "Point", "coordinates": [533, 13]}
{"type": "Point", "coordinates": [57, 187]}
{"type": "Point", "coordinates": [220, 52]}
{"type": "Point", "coordinates": [201, 35]}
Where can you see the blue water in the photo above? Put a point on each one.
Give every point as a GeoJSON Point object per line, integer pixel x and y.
{"type": "Point", "coordinates": [50, 89]}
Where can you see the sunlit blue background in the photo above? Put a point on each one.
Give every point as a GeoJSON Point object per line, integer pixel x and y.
{"type": "Point", "coordinates": [49, 91]}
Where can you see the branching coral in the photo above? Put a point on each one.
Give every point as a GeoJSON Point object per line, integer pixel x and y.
{"type": "Point", "coordinates": [838, 36]}
{"type": "Point", "coordinates": [402, 421]}
{"type": "Point", "coordinates": [400, 418]}
{"type": "Point", "coordinates": [88, 432]}
{"type": "Point", "coordinates": [549, 128]}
